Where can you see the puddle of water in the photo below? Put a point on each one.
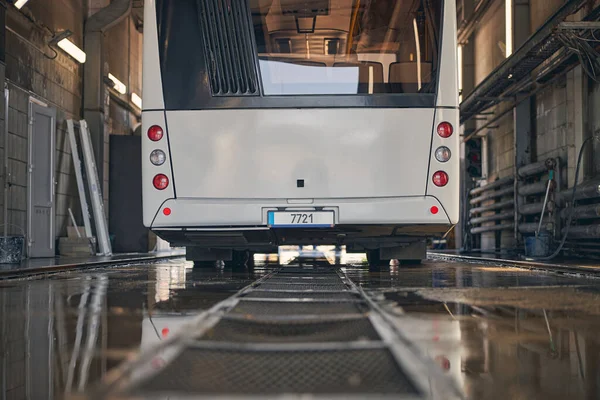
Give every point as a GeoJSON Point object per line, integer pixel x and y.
{"type": "Point", "coordinates": [454, 275]}
{"type": "Point", "coordinates": [64, 334]}
{"type": "Point", "coordinates": [511, 344]}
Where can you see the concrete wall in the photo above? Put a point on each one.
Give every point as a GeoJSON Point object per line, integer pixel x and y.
{"type": "Point", "coordinates": [490, 32]}
{"type": "Point", "coordinates": [501, 150]}
{"type": "Point", "coordinates": [553, 134]}
{"type": "Point", "coordinates": [541, 10]}
{"type": "Point", "coordinates": [125, 62]}
{"type": "Point", "coordinates": [31, 72]}
{"type": "Point", "coordinates": [123, 55]}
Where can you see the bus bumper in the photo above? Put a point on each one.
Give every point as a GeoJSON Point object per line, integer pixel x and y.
{"type": "Point", "coordinates": [205, 213]}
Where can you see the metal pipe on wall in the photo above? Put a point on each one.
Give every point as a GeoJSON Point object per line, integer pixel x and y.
{"type": "Point", "coordinates": [495, 217]}
{"type": "Point", "coordinates": [492, 185]}
{"type": "Point", "coordinates": [492, 228]}
{"type": "Point", "coordinates": [531, 209]}
{"type": "Point", "coordinates": [492, 207]}
{"type": "Point", "coordinates": [489, 196]}
{"type": "Point", "coordinates": [532, 169]}
{"type": "Point", "coordinates": [584, 231]}
{"type": "Point", "coordinates": [583, 246]}
{"type": "Point", "coordinates": [532, 227]}
{"type": "Point", "coordinates": [6, 173]}
{"type": "Point", "coordinates": [534, 188]}
{"type": "Point", "coordinates": [583, 212]}
{"type": "Point", "coordinates": [587, 190]}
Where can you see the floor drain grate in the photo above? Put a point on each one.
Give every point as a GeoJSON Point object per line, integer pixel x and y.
{"type": "Point", "coordinates": [372, 371]}
{"type": "Point", "coordinates": [248, 331]}
{"type": "Point", "coordinates": [280, 309]}
{"type": "Point", "coordinates": [265, 294]}
{"type": "Point", "coordinates": [308, 286]}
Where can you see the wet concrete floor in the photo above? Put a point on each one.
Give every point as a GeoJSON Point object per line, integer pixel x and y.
{"type": "Point", "coordinates": [500, 333]}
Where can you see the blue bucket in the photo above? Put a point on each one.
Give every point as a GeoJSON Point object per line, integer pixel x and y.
{"type": "Point", "coordinates": [538, 246]}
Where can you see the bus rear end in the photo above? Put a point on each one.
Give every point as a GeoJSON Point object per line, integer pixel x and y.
{"type": "Point", "coordinates": [274, 122]}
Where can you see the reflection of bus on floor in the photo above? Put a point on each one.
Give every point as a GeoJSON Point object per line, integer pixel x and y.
{"type": "Point", "coordinates": [159, 327]}
{"type": "Point", "coordinates": [300, 122]}
{"type": "Point", "coordinates": [156, 328]}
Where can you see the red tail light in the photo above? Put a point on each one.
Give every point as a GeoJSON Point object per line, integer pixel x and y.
{"type": "Point", "coordinates": [155, 133]}
{"type": "Point", "coordinates": [160, 181]}
{"type": "Point", "coordinates": [440, 179]}
{"type": "Point", "coordinates": [445, 129]}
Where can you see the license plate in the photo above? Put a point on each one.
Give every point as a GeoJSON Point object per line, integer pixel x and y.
{"type": "Point", "coordinates": [298, 219]}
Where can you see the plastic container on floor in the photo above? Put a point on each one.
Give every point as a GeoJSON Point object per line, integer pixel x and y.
{"type": "Point", "coordinates": [11, 249]}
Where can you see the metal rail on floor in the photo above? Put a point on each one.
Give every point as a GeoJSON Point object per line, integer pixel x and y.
{"type": "Point", "coordinates": [592, 271]}
{"type": "Point", "coordinates": [35, 268]}
{"type": "Point", "coordinates": [298, 332]}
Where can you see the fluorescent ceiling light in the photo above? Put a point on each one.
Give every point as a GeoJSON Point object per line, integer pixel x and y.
{"type": "Point", "coordinates": [119, 86]}
{"type": "Point", "coordinates": [20, 3]}
{"type": "Point", "coordinates": [509, 27]}
{"type": "Point", "coordinates": [71, 49]}
{"type": "Point", "coordinates": [137, 100]}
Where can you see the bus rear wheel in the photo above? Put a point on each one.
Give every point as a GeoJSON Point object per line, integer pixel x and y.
{"type": "Point", "coordinates": [376, 263]}
{"type": "Point", "coordinates": [239, 259]}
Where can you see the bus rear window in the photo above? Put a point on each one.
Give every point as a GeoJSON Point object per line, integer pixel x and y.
{"type": "Point", "coordinates": [345, 47]}
{"type": "Point", "coordinates": [298, 53]}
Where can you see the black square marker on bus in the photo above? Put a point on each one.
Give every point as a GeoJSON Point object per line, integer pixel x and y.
{"type": "Point", "coordinates": [300, 183]}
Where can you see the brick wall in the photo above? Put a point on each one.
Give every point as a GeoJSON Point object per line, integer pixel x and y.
{"type": "Point", "coordinates": [57, 82]}
{"type": "Point", "coordinates": [552, 126]}
{"type": "Point", "coordinates": [501, 156]}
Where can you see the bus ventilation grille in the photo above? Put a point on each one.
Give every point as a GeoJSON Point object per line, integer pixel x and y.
{"type": "Point", "coordinates": [228, 47]}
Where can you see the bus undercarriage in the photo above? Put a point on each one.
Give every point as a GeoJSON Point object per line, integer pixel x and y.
{"type": "Point", "coordinates": [235, 246]}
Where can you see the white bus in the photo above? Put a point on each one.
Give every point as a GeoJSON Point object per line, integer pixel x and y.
{"type": "Point", "coordinates": [309, 122]}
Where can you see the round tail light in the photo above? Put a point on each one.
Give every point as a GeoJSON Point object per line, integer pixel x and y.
{"type": "Point", "coordinates": [445, 129]}
{"type": "Point", "coordinates": [440, 179]}
{"type": "Point", "coordinates": [155, 133]}
{"type": "Point", "coordinates": [160, 181]}
{"type": "Point", "coordinates": [443, 154]}
{"type": "Point", "coordinates": [158, 157]}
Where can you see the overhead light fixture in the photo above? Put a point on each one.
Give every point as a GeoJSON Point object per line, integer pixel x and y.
{"type": "Point", "coordinates": [61, 40]}
{"type": "Point", "coordinates": [137, 100]}
{"type": "Point", "coordinates": [509, 27]}
{"type": "Point", "coordinates": [20, 3]}
{"type": "Point", "coordinates": [119, 86]}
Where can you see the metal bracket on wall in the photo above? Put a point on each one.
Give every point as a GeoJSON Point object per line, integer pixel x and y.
{"type": "Point", "coordinates": [580, 25]}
